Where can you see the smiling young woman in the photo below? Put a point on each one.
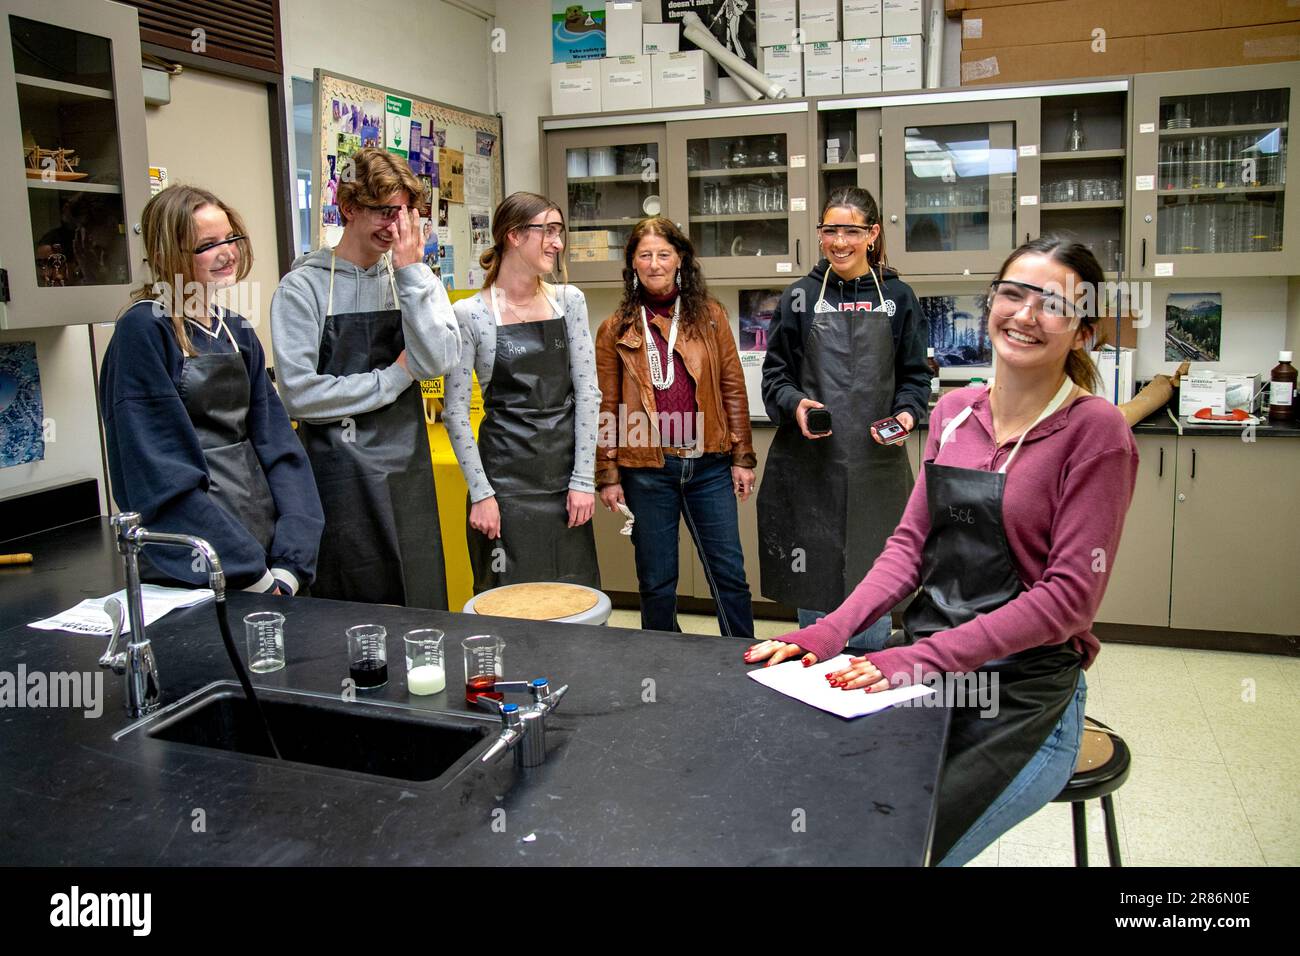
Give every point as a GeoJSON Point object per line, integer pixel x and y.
{"type": "Point", "coordinates": [197, 438]}
{"type": "Point", "coordinates": [1011, 563]}
{"type": "Point", "coordinates": [531, 470]}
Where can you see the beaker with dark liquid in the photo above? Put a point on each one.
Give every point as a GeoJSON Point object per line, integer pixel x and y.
{"type": "Point", "coordinates": [368, 655]}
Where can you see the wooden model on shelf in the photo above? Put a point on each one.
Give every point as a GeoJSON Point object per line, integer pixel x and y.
{"type": "Point", "coordinates": [59, 164]}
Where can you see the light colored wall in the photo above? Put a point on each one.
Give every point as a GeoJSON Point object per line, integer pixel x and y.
{"type": "Point", "coordinates": [68, 393]}
{"type": "Point", "coordinates": [1293, 314]}
{"type": "Point", "coordinates": [523, 81]}
{"type": "Point", "coordinates": [215, 133]}
{"type": "Point", "coordinates": [430, 48]}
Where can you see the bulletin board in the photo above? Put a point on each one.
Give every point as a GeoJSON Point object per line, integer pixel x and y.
{"type": "Point", "coordinates": [455, 153]}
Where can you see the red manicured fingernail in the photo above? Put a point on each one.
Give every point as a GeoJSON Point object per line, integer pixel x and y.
{"type": "Point", "coordinates": [807, 663]}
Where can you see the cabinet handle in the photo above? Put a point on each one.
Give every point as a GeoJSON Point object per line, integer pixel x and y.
{"type": "Point", "coordinates": [1193, 462]}
{"type": "Point", "coordinates": [1144, 253]}
{"type": "Point", "coordinates": [1026, 238]}
{"type": "Point", "coordinates": [1161, 472]}
{"type": "Point", "coordinates": [798, 256]}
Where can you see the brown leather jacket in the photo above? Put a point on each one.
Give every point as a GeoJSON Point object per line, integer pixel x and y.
{"type": "Point", "coordinates": [624, 375]}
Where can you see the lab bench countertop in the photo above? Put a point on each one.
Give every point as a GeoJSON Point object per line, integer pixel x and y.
{"type": "Point", "coordinates": [662, 752]}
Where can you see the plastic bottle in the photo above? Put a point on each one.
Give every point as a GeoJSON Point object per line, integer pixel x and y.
{"type": "Point", "coordinates": [1281, 390]}
{"type": "Point", "coordinates": [934, 374]}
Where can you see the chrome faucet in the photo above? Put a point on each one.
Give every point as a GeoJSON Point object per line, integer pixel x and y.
{"type": "Point", "coordinates": [523, 729]}
{"type": "Point", "coordinates": [138, 662]}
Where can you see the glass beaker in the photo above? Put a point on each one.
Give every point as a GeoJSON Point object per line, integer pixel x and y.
{"type": "Point", "coordinates": [265, 633]}
{"type": "Point", "coordinates": [484, 660]}
{"type": "Point", "coordinates": [368, 655]}
{"type": "Point", "coordinates": [426, 671]}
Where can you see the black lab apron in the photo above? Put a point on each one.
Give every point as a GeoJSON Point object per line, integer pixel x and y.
{"type": "Point", "coordinates": [526, 443]}
{"type": "Point", "coordinates": [382, 542]}
{"type": "Point", "coordinates": [966, 571]}
{"type": "Point", "coordinates": [214, 389]}
{"type": "Point", "coordinates": [826, 507]}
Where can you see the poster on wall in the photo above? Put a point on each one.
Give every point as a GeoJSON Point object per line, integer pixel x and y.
{"type": "Point", "coordinates": [22, 408]}
{"type": "Point", "coordinates": [397, 125]}
{"type": "Point", "coordinates": [484, 143]}
{"type": "Point", "coordinates": [758, 309]}
{"type": "Point", "coordinates": [577, 30]}
{"type": "Point", "coordinates": [1193, 326]}
{"type": "Point", "coordinates": [732, 22]}
{"type": "Point", "coordinates": [451, 172]}
{"type": "Point", "coordinates": [478, 180]}
{"type": "Point", "coordinates": [958, 332]}
{"type": "Point", "coordinates": [480, 230]}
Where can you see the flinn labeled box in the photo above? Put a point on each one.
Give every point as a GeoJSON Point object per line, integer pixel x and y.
{"type": "Point", "coordinates": [861, 59]}
{"type": "Point", "coordinates": [861, 18]}
{"type": "Point", "coordinates": [688, 78]}
{"type": "Point", "coordinates": [623, 28]}
{"type": "Point", "coordinates": [660, 37]}
{"type": "Point", "coordinates": [777, 20]}
{"type": "Point", "coordinates": [575, 87]}
{"type": "Point", "coordinates": [819, 20]}
{"type": "Point", "coordinates": [783, 64]}
{"type": "Point", "coordinates": [625, 83]}
{"type": "Point", "coordinates": [823, 69]}
{"type": "Point", "coordinates": [902, 17]}
{"type": "Point", "coordinates": [901, 65]}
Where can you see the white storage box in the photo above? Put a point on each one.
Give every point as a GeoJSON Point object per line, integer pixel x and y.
{"type": "Point", "coordinates": [900, 64]}
{"type": "Point", "coordinates": [822, 69]}
{"type": "Point", "coordinates": [819, 20]}
{"type": "Point", "coordinates": [688, 78]}
{"type": "Point", "coordinates": [660, 37]}
{"type": "Point", "coordinates": [777, 20]}
{"type": "Point", "coordinates": [575, 87]}
{"type": "Point", "coordinates": [1105, 362]}
{"type": "Point", "coordinates": [625, 83]}
{"type": "Point", "coordinates": [861, 65]}
{"type": "Point", "coordinates": [784, 65]}
{"type": "Point", "coordinates": [622, 28]}
{"type": "Point", "coordinates": [1220, 392]}
{"type": "Point", "coordinates": [861, 19]}
{"type": "Point", "coordinates": [900, 17]}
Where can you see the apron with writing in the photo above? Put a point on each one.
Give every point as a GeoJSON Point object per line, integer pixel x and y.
{"type": "Point", "coordinates": [966, 571]}
{"type": "Point", "coordinates": [526, 443]}
{"type": "Point", "coordinates": [382, 542]}
{"type": "Point", "coordinates": [827, 507]}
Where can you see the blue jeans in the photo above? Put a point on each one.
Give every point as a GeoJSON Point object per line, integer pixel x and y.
{"type": "Point", "coordinates": [871, 638]}
{"type": "Point", "coordinates": [1037, 785]}
{"type": "Point", "coordinates": [699, 490]}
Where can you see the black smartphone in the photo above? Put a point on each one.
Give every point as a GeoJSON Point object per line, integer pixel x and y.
{"type": "Point", "coordinates": [890, 430]}
{"type": "Point", "coordinates": [819, 421]}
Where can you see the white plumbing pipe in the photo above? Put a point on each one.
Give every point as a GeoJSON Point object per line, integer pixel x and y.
{"type": "Point", "coordinates": [693, 29]}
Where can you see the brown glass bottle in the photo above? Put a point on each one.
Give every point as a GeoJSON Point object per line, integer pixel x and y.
{"type": "Point", "coordinates": [1282, 390]}
{"type": "Point", "coordinates": [934, 374]}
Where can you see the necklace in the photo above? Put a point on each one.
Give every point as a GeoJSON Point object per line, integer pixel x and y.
{"type": "Point", "coordinates": [657, 377]}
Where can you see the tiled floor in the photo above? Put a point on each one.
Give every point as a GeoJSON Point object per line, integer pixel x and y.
{"type": "Point", "coordinates": [1216, 759]}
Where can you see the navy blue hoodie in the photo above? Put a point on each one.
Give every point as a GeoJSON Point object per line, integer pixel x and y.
{"type": "Point", "coordinates": [157, 468]}
{"type": "Point", "coordinates": [783, 366]}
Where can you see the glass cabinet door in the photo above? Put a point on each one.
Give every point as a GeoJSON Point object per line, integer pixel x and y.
{"type": "Point", "coordinates": [609, 180]}
{"type": "Point", "coordinates": [848, 145]}
{"type": "Point", "coordinates": [1211, 169]}
{"type": "Point", "coordinates": [959, 194]}
{"type": "Point", "coordinates": [83, 179]}
{"type": "Point", "coordinates": [740, 189]}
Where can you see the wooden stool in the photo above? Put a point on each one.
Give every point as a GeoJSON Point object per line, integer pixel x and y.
{"type": "Point", "coordinates": [1102, 768]}
{"type": "Point", "coordinates": [541, 601]}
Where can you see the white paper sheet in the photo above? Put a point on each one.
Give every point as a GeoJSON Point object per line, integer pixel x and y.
{"type": "Point", "coordinates": [89, 617]}
{"type": "Point", "coordinates": [809, 685]}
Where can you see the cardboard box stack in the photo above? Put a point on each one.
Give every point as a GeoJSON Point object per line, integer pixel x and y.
{"type": "Point", "coordinates": [594, 245]}
{"type": "Point", "coordinates": [1012, 41]}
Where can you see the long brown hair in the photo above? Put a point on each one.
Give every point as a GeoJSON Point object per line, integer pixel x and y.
{"type": "Point", "coordinates": [697, 303]}
{"type": "Point", "coordinates": [855, 197]}
{"type": "Point", "coordinates": [1079, 258]}
{"type": "Point", "coordinates": [167, 227]}
{"type": "Point", "coordinates": [515, 212]}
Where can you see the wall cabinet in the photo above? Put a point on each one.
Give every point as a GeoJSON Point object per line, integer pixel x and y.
{"type": "Point", "coordinates": [958, 192]}
{"type": "Point", "coordinates": [75, 148]}
{"type": "Point", "coordinates": [1210, 169]}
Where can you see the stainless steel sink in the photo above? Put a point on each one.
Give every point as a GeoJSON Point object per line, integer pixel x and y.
{"type": "Point", "coordinates": [368, 737]}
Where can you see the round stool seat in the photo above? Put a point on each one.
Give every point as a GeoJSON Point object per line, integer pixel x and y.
{"type": "Point", "coordinates": [543, 601]}
{"type": "Point", "coordinates": [1102, 767]}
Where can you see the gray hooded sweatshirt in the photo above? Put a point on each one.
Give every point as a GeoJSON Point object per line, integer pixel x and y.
{"type": "Point", "coordinates": [298, 320]}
